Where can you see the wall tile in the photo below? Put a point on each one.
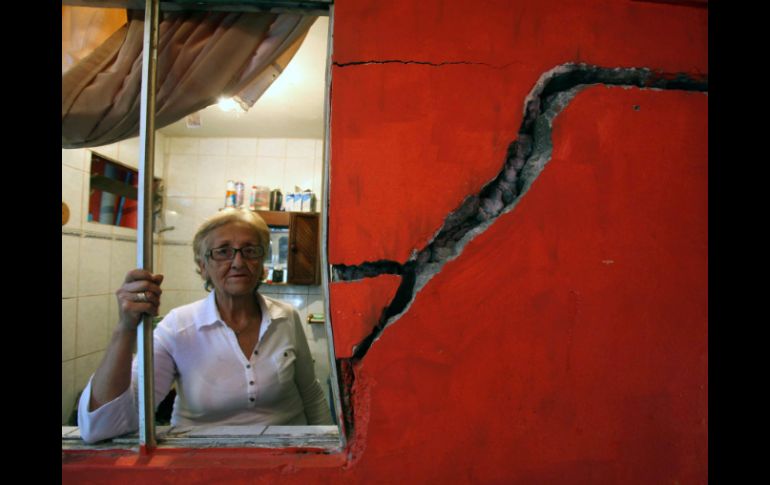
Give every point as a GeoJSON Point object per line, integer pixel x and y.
{"type": "Point", "coordinates": [179, 269]}
{"type": "Point", "coordinates": [69, 313]}
{"type": "Point", "coordinates": [212, 176]}
{"type": "Point", "coordinates": [272, 147]}
{"type": "Point", "coordinates": [175, 298]}
{"type": "Point", "coordinates": [180, 213]}
{"type": "Point", "coordinates": [299, 172]}
{"type": "Point", "coordinates": [94, 266]}
{"type": "Point", "coordinates": [97, 228]}
{"type": "Point", "coordinates": [109, 151]}
{"type": "Point", "coordinates": [70, 256]}
{"type": "Point", "coordinates": [183, 146]}
{"type": "Point", "coordinates": [242, 169]}
{"type": "Point", "coordinates": [84, 368]}
{"type": "Point", "coordinates": [91, 315]}
{"type": "Point", "coordinates": [73, 157]}
{"type": "Point", "coordinates": [124, 231]}
{"type": "Point", "coordinates": [300, 148]}
{"type": "Point", "coordinates": [205, 208]}
{"type": "Point", "coordinates": [319, 150]}
{"type": "Point", "coordinates": [181, 173]}
{"type": "Point", "coordinates": [68, 394]}
{"type": "Point", "coordinates": [213, 146]}
{"type": "Point", "coordinates": [128, 152]}
{"type": "Point", "coordinates": [318, 174]}
{"type": "Point", "coordinates": [242, 147]}
{"type": "Point", "coordinates": [270, 172]}
{"type": "Point", "coordinates": [171, 299]}
{"type": "Point", "coordinates": [122, 260]}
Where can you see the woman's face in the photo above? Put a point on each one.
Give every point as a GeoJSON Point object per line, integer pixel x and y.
{"type": "Point", "coordinates": [239, 276]}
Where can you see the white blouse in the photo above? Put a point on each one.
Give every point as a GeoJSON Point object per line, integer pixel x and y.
{"type": "Point", "coordinates": [216, 383]}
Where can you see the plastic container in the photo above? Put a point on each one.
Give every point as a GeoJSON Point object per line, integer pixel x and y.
{"type": "Point", "coordinates": [230, 196]}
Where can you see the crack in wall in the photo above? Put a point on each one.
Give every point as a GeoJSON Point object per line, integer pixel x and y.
{"type": "Point", "coordinates": [526, 158]}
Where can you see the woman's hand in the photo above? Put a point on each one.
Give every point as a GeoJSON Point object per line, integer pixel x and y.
{"type": "Point", "coordinates": [139, 295]}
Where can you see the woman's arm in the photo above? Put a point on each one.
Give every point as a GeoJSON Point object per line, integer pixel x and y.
{"type": "Point", "coordinates": [106, 407]}
{"type": "Point", "coordinates": [113, 376]}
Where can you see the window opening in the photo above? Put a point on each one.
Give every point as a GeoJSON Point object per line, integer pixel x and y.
{"type": "Point", "coordinates": [112, 200]}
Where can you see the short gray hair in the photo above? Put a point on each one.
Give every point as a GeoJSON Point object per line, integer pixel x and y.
{"type": "Point", "coordinates": [228, 216]}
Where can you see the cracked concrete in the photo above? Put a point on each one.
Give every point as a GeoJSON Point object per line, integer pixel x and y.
{"type": "Point", "coordinates": [527, 156]}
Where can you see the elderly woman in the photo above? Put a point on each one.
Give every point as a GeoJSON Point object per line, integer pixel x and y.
{"type": "Point", "coordinates": [238, 358]}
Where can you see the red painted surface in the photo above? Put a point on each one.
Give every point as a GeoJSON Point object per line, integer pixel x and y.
{"type": "Point", "coordinates": [355, 309]}
{"type": "Point", "coordinates": [568, 343]}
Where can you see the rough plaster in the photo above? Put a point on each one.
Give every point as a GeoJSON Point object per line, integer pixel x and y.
{"type": "Point", "coordinates": [527, 157]}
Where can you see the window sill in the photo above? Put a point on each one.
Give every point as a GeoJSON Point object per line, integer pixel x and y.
{"type": "Point", "coordinates": [323, 439]}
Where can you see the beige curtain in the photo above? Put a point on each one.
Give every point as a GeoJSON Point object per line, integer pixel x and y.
{"type": "Point", "coordinates": [201, 56]}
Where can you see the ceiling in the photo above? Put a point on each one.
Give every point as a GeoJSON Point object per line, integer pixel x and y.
{"type": "Point", "coordinates": [292, 107]}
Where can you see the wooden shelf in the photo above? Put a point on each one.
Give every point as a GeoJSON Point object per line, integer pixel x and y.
{"type": "Point", "coordinates": [275, 218]}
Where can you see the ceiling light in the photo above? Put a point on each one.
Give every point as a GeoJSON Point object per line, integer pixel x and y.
{"type": "Point", "coordinates": [229, 104]}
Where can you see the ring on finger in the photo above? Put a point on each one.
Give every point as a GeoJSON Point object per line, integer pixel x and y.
{"type": "Point", "coordinates": [141, 297]}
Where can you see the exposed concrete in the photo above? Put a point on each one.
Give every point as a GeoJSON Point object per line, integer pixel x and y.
{"type": "Point", "coordinates": [527, 156]}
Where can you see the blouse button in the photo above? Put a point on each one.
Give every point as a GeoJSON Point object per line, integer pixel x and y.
{"type": "Point", "coordinates": [256, 352]}
{"type": "Point", "coordinates": [248, 366]}
{"type": "Point", "coordinates": [251, 383]}
{"type": "Point", "coordinates": [251, 399]}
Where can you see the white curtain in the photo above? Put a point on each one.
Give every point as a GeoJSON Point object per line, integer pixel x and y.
{"type": "Point", "coordinates": [201, 56]}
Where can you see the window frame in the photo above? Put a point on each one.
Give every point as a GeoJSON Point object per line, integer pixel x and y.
{"type": "Point", "coordinates": [323, 439]}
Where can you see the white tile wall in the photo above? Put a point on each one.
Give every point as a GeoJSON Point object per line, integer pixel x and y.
{"type": "Point", "coordinates": [213, 146]}
{"type": "Point", "coordinates": [68, 393]}
{"type": "Point", "coordinates": [178, 268]}
{"type": "Point", "coordinates": [94, 263]}
{"type": "Point", "coordinates": [181, 175]}
{"type": "Point", "coordinates": [183, 145]}
{"type": "Point", "coordinates": [84, 367]}
{"type": "Point", "coordinates": [301, 148]}
{"type": "Point", "coordinates": [179, 213]}
{"type": "Point", "coordinates": [122, 260]}
{"type": "Point", "coordinates": [299, 173]}
{"type": "Point", "coordinates": [70, 255]}
{"type": "Point", "coordinates": [242, 169]}
{"type": "Point", "coordinates": [74, 158]}
{"type": "Point", "coordinates": [92, 268]}
{"type": "Point", "coordinates": [68, 328]}
{"type": "Point", "coordinates": [72, 194]}
{"type": "Point", "coordinates": [205, 208]}
{"type": "Point", "coordinates": [92, 313]}
{"type": "Point", "coordinates": [242, 147]}
{"type": "Point", "coordinates": [212, 176]}
{"type": "Point", "coordinates": [270, 172]}
{"type": "Point", "coordinates": [272, 147]}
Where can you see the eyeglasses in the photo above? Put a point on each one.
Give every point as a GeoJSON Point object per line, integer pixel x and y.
{"type": "Point", "coordinates": [227, 253]}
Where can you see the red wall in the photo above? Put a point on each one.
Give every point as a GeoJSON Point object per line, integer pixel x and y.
{"type": "Point", "coordinates": [568, 342]}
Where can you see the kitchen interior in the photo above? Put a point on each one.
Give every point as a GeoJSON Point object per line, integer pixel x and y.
{"type": "Point", "coordinates": [270, 158]}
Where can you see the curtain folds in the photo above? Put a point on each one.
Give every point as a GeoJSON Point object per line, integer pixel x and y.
{"type": "Point", "coordinates": [201, 56]}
